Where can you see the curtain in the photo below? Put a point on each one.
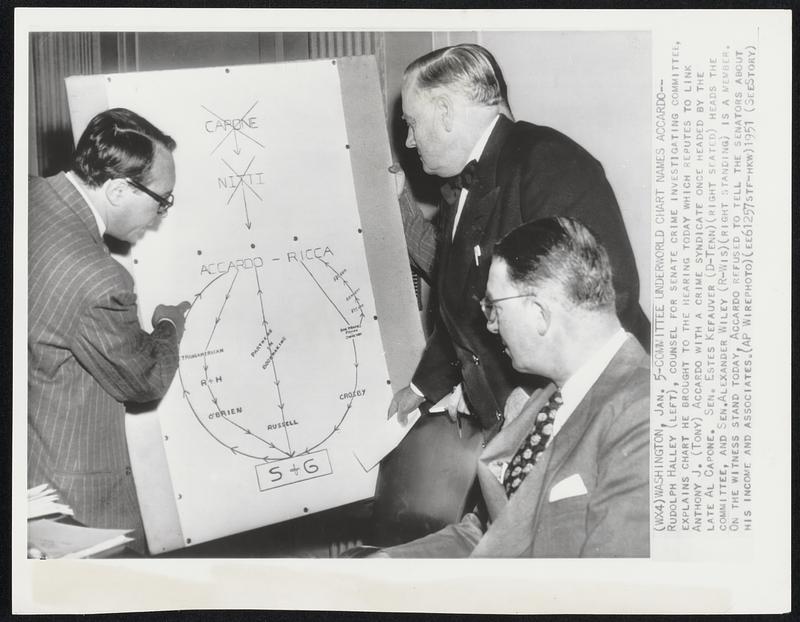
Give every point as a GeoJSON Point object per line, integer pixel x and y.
{"type": "Point", "coordinates": [56, 55]}
{"type": "Point", "coordinates": [53, 57]}
{"type": "Point", "coordinates": [336, 44]}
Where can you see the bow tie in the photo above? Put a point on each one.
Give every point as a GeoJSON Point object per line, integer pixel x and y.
{"type": "Point", "coordinates": [465, 179]}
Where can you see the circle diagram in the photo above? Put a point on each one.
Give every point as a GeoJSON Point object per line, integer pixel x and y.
{"type": "Point", "coordinates": [264, 377]}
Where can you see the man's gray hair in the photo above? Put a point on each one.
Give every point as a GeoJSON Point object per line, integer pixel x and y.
{"type": "Point", "coordinates": [561, 251]}
{"type": "Point", "coordinates": [467, 68]}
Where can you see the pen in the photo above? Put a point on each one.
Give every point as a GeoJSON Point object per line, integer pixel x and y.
{"type": "Point", "coordinates": [477, 250]}
{"type": "Point", "coordinates": [458, 423]}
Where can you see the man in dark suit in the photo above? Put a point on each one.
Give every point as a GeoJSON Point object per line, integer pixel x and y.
{"type": "Point", "coordinates": [567, 475]}
{"type": "Point", "coordinates": [87, 353]}
{"type": "Point", "coordinates": [454, 102]}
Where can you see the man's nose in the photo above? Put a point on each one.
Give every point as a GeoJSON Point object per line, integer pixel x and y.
{"type": "Point", "coordinates": [410, 142]}
{"type": "Point", "coordinates": [155, 222]}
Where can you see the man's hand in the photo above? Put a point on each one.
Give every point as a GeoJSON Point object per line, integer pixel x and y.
{"type": "Point", "coordinates": [458, 405]}
{"type": "Point", "coordinates": [173, 314]}
{"type": "Point", "coordinates": [403, 402]}
{"type": "Point", "coordinates": [399, 178]}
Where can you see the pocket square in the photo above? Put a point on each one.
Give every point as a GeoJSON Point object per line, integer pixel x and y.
{"type": "Point", "coordinates": [571, 486]}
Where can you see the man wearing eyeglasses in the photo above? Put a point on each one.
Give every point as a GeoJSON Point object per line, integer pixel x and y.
{"type": "Point", "coordinates": [87, 353]}
{"type": "Point", "coordinates": [567, 474]}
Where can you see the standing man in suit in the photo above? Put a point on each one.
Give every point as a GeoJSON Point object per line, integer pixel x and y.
{"type": "Point", "coordinates": [567, 476]}
{"type": "Point", "coordinates": [499, 174]}
{"type": "Point", "coordinates": [87, 353]}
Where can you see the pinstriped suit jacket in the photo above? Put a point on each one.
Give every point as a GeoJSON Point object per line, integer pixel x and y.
{"type": "Point", "coordinates": [87, 354]}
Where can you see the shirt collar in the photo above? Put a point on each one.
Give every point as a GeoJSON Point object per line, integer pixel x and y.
{"type": "Point", "coordinates": [477, 150]}
{"type": "Point", "coordinates": [582, 380]}
{"type": "Point", "coordinates": [101, 226]}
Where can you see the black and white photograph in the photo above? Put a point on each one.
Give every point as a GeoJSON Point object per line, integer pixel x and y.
{"type": "Point", "coordinates": [392, 294]}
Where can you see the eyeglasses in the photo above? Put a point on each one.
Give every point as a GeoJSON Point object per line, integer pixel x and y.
{"type": "Point", "coordinates": [488, 305]}
{"type": "Point", "coordinates": [164, 203]}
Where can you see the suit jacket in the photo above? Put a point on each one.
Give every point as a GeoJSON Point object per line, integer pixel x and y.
{"type": "Point", "coordinates": [587, 496]}
{"type": "Point", "coordinates": [526, 172]}
{"type": "Point", "coordinates": [86, 356]}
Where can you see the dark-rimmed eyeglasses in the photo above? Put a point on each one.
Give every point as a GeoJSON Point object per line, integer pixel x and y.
{"type": "Point", "coordinates": [488, 306]}
{"type": "Point", "coordinates": [164, 203]}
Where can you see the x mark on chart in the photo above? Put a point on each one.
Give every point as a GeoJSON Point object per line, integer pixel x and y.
{"type": "Point", "coordinates": [234, 130]}
{"type": "Point", "coordinates": [245, 185]}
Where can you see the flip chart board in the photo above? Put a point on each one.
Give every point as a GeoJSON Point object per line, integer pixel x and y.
{"type": "Point", "coordinates": [286, 239]}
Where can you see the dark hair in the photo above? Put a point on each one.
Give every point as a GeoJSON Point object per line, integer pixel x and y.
{"type": "Point", "coordinates": [563, 251]}
{"type": "Point", "coordinates": [117, 143]}
{"type": "Point", "coordinates": [468, 68]}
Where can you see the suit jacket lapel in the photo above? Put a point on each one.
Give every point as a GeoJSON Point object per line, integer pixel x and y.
{"type": "Point", "coordinates": [480, 205]}
{"type": "Point", "coordinates": [514, 528]}
{"type": "Point", "coordinates": [609, 380]}
{"type": "Point", "coordinates": [475, 208]}
{"type": "Point", "coordinates": [510, 533]}
{"type": "Point", "coordinates": [513, 532]}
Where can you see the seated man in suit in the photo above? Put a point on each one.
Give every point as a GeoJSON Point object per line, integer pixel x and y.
{"type": "Point", "coordinates": [567, 475]}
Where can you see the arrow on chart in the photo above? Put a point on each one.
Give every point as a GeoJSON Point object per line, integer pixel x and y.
{"type": "Point", "coordinates": [245, 186]}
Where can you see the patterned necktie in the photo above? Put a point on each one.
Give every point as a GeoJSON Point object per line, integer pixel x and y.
{"type": "Point", "coordinates": [465, 179]}
{"type": "Point", "coordinates": [531, 448]}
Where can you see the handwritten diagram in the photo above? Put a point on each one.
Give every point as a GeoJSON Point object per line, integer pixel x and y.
{"type": "Point", "coordinates": [236, 180]}
{"type": "Point", "coordinates": [238, 126]}
{"type": "Point", "coordinates": [235, 362]}
{"type": "Point", "coordinates": [282, 371]}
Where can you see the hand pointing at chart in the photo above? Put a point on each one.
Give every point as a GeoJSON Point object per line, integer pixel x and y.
{"type": "Point", "coordinates": [175, 315]}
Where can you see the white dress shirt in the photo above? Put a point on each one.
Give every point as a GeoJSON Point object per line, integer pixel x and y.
{"type": "Point", "coordinates": [477, 152]}
{"type": "Point", "coordinates": [578, 385]}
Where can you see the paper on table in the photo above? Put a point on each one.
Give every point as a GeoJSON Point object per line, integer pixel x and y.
{"type": "Point", "coordinates": [53, 539]}
{"type": "Point", "coordinates": [44, 501]}
{"type": "Point", "coordinates": [389, 438]}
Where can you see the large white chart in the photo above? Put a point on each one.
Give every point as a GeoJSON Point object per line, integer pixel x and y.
{"type": "Point", "coordinates": [282, 369]}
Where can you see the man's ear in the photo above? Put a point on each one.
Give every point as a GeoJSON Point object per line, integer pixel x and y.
{"type": "Point", "coordinates": [543, 316]}
{"type": "Point", "coordinates": [115, 190]}
{"type": "Point", "coordinates": [444, 110]}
